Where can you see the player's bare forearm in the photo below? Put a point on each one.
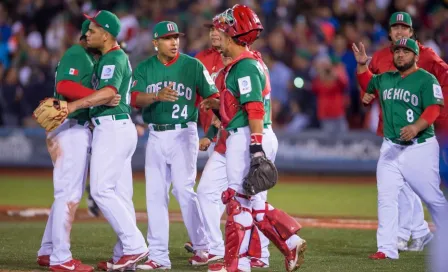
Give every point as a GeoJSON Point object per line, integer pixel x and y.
{"type": "Point", "coordinates": [421, 124]}
{"type": "Point", "coordinates": [145, 99]}
{"type": "Point", "coordinates": [256, 126]}
{"type": "Point", "coordinates": [100, 97]}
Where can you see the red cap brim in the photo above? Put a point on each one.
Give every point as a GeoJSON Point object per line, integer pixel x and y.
{"type": "Point", "coordinates": [92, 19]}
{"type": "Point", "coordinates": [172, 34]}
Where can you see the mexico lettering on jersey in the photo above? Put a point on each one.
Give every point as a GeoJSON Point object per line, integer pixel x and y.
{"type": "Point", "coordinates": [403, 100]}
{"type": "Point", "coordinates": [190, 78]}
{"type": "Point", "coordinates": [76, 65]}
{"type": "Point", "coordinates": [246, 80]}
{"type": "Point", "coordinates": [113, 70]}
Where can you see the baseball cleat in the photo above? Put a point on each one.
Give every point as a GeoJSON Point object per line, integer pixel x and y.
{"type": "Point", "coordinates": [296, 257]}
{"type": "Point", "coordinates": [72, 265]}
{"type": "Point", "coordinates": [213, 257]}
{"type": "Point", "coordinates": [420, 243]}
{"type": "Point", "coordinates": [257, 263]}
{"type": "Point", "coordinates": [128, 260]}
{"type": "Point", "coordinates": [402, 244]}
{"type": "Point", "coordinates": [43, 260]}
{"type": "Point", "coordinates": [151, 265]}
{"type": "Point", "coordinates": [189, 247]}
{"type": "Point", "coordinates": [105, 265]}
{"type": "Point", "coordinates": [378, 256]}
{"type": "Point", "coordinates": [200, 258]}
{"type": "Point", "coordinates": [220, 267]}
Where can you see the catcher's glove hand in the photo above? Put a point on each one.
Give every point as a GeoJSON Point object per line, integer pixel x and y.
{"type": "Point", "coordinates": [50, 113]}
{"type": "Point", "coordinates": [262, 175]}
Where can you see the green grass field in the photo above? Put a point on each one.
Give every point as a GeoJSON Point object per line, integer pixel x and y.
{"type": "Point", "coordinates": [317, 199]}
{"type": "Point", "coordinates": [328, 249]}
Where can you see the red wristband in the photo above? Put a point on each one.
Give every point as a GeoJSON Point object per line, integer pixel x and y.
{"type": "Point", "coordinates": [256, 138]}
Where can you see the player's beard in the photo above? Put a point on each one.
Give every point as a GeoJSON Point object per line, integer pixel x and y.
{"type": "Point", "coordinates": [405, 66]}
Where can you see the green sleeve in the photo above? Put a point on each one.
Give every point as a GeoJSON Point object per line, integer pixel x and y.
{"type": "Point", "coordinates": [205, 84]}
{"type": "Point", "coordinates": [73, 67]}
{"type": "Point", "coordinates": [139, 82]}
{"type": "Point", "coordinates": [374, 84]}
{"type": "Point", "coordinates": [111, 74]}
{"type": "Point", "coordinates": [431, 93]}
{"type": "Point", "coordinates": [250, 81]}
{"type": "Point", "coordinates": [212, 132]}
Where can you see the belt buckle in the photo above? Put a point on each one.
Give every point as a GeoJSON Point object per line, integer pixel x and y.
{"type": "Point", "coordinates": [161, 127]}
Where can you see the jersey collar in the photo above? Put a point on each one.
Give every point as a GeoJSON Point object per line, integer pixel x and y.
{"type": "Point", "coordinates": [171, 62]}
{"type": "Point", "coordinates": [116, 47]}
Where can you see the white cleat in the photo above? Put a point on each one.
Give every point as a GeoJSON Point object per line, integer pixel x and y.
{"type": "Point", "coordinates": [402, 244]}
{"type": "Point", "coordinates": [297, 256]}
{"type": "Point", "coordinates": [420, 243]}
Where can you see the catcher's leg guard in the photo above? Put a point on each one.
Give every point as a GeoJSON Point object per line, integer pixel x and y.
{"type": "Point", "coordinates": [254, 244]}
{"type": "Point", "coordinates": [234, 232]}
{"type": "Point", "coordinates": [278, 226]}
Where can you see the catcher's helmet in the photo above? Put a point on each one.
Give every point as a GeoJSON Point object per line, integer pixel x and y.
{"type": "Point", "coordinates": [239, 22]}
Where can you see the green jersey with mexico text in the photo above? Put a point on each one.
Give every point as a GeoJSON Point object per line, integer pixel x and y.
{"type": "Point", "coordinates": [403, 100]}
{"type": "Point", "coordinates": [246, 80]}
{"type": "Point", "coordinates": [76, 65]}
{"type": "Point", "coordinates": [113, 70]}
{"type": "Point", "coordinates": [190, 79]}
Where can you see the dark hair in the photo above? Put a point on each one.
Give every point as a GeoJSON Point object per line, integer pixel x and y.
{"type": "Point", "coordinates": [83, 37]}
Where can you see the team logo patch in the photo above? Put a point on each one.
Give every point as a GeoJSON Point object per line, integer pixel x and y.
{"type": "Point", "coordinates": [400, 17]}
{"type": "Point", "coordinates": [437, 91]}
{"type": "Point", "coordinates": [107, 72]}
{"type": "Point", "coordinates": [208, 77]}
{"type": "Point", "coordinates": [73, 72]}
{"type": "Point", "coordinates": [245, 85]}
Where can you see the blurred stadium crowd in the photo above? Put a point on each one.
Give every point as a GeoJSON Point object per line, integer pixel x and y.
{"type": "Point", "coordinates": [306, 45]}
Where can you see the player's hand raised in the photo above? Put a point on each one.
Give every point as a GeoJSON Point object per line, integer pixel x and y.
{"type": "Point", "coordinates": [115, 101]}
{"type": "Point", "coordinates": [408, 132]}
{"type": "Point", "coordinates": [367, 98]}
{"type": "Point", "coordinates": [360, 53]}
{"type": "Point", "coordinates": [204, 144]}
{"type": "Point", "coordinates": [168, 94]}
{"type": "Point", "coordinates": [210, 103]}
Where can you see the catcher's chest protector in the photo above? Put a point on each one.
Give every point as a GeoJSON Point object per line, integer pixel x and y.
{"type": "Point", "coordinates": [230, 105]}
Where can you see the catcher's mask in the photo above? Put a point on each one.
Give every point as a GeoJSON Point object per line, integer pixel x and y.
{"type": "Point", "coordinates": [240, 23]}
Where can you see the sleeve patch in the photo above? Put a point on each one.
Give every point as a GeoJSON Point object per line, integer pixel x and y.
{"type": "Point", "coordinates": [437, 91]}
{"type": "Point", "coordinates": [107, 72]}
{"type": "Point", "coordinates": [208, 77]}
{"type": "Point", "coordinates": [73, 72]}
{"type": "Point", "coordinates": [244, 85]}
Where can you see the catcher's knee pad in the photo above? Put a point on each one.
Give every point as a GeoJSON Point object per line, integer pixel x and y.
{"type": "Point", "coordinates": [234, 235]}
{"type": "Point", "coordinates": [278, 226]}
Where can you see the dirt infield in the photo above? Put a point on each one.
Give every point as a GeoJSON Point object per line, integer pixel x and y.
{"type": "Point", "coordinates": [140, 175]}
{"type": "Point", "coordinates": [16, 214]}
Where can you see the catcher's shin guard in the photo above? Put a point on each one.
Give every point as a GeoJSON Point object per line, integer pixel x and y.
{"type": "Point", "coordinates": [278, 227]}
{"type": "Point", "coordinates": [234, 232]}
{"type": "Point", "coordinates": [254, 244]}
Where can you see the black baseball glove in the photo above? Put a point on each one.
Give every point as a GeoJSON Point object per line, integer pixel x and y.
{"type": "Point", "coordinates": [262, 175]}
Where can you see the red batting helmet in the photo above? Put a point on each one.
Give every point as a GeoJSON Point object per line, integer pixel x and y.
{"type": "Point", "coordinates": [239, 22]}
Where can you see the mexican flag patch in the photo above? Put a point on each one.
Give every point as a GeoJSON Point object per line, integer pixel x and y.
{"type": "Point", "coordinates": [73, 72]}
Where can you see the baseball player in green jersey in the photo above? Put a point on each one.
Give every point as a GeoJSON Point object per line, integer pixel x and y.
{"type": "Point", "coordinates": [245, 114]}
{"type": "Point", "coordinates": [411, 99]}
{"type": "Point", "coordinates": [166, 86]}
{"type": "Point", "coordinates": [114, 140]}
{"type": "Point", "coordinates": [68, 146]}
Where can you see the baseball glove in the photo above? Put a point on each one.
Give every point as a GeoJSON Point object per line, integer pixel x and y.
{"type": "Point", "coordinates": [262, 176]}
{"type": "Point", "coordinates": [50, 113]}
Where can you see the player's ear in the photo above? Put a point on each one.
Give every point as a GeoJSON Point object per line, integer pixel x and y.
{"type": "Point", "coordinates": [156, 44]}
{"type": "Point", "coordinates": [416, 58]}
